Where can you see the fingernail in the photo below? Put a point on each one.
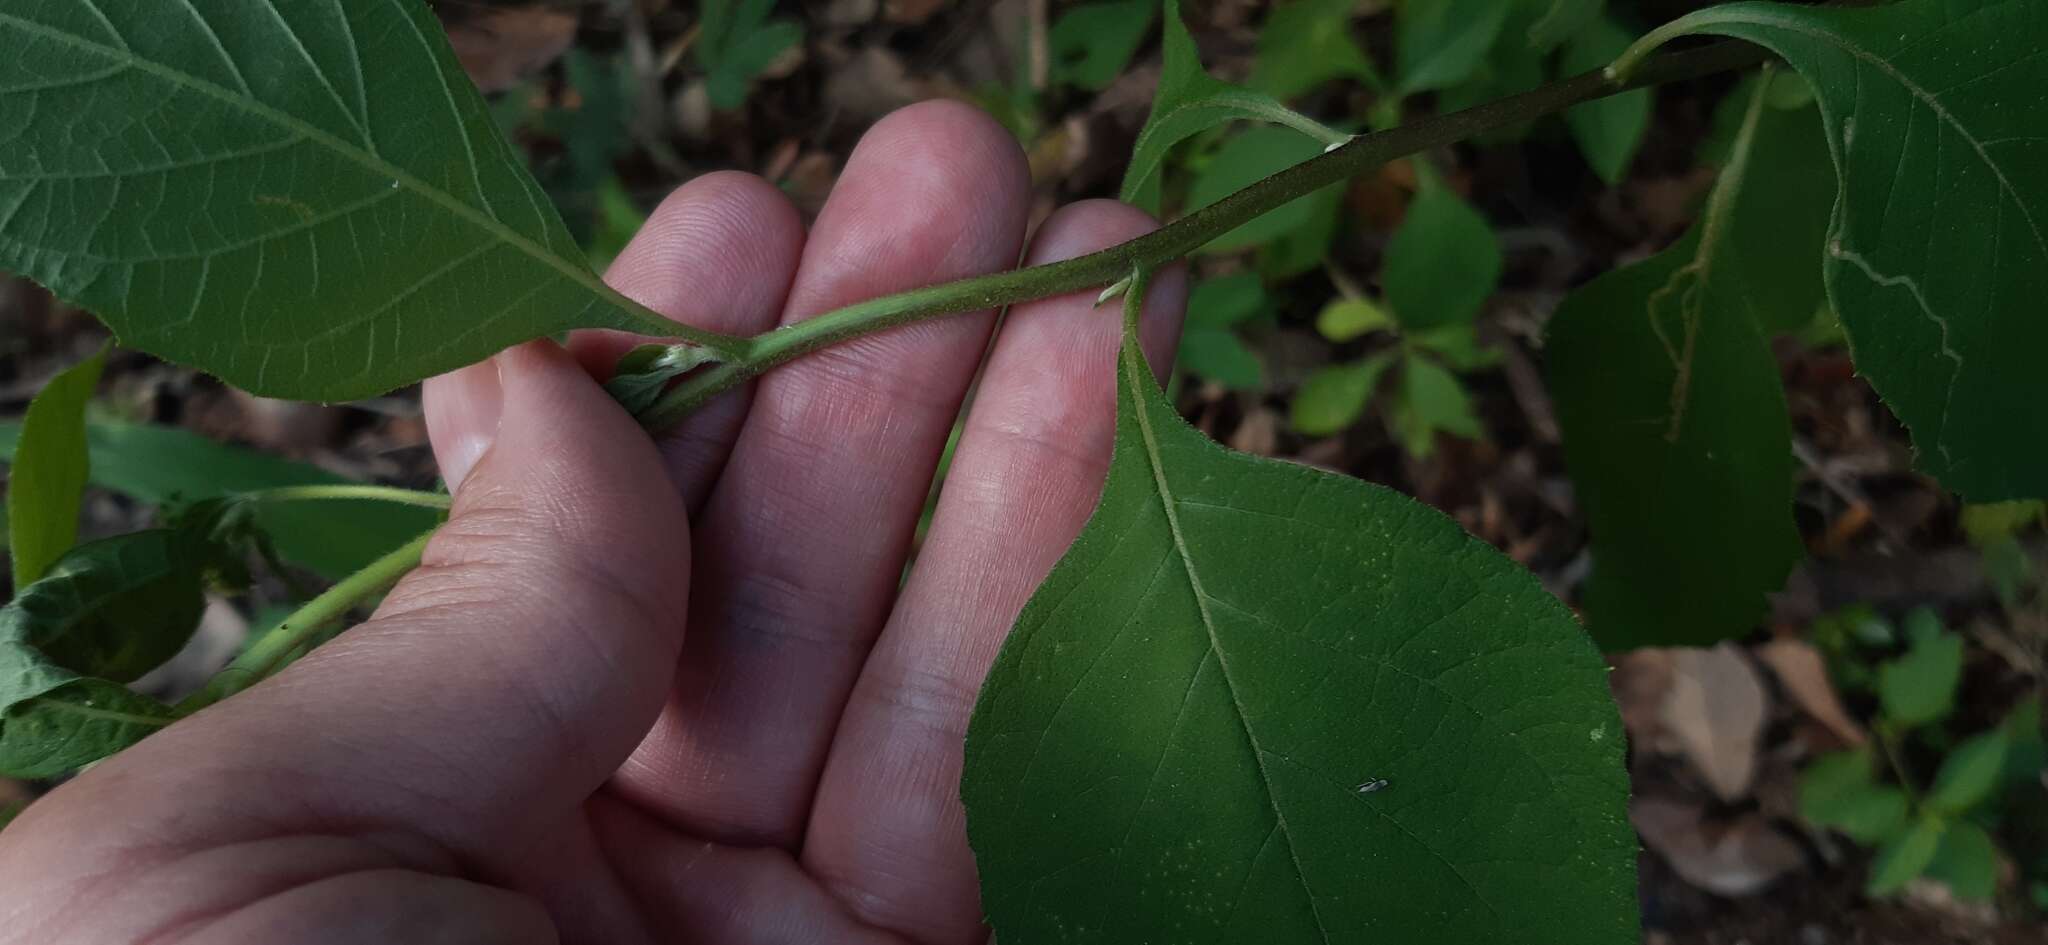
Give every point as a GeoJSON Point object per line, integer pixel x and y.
{"type": "Point", "coordinates": [463, 408]}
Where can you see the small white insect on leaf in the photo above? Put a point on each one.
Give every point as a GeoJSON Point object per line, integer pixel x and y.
{"type": "Point", "coordinates": [1373, 786]}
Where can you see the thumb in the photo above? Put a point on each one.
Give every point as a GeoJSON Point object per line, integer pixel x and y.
{"type": "Point", "coordinates": [504, 680]}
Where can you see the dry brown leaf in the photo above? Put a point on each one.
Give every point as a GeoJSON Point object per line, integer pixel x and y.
{"type": "Point", "coordinates": [1640, 680]}
{"type": "Point", "coordinates": [1715, 713]}
{"type": "Point", "coordinates": [1804, 675]}
{"type": "Point", "coordinates": [499, 47]}
{"type": "Point", "coordinates": [1738, 858]}
{"type": "Point", "coordinates": [1258, 433]}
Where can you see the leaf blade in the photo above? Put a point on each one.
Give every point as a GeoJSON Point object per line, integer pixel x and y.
{"type": "Point", "coordinates": [1937, 304]}
{"type": "Point", "coordinates": [265, 221]}
{"type": "Point", "coordinates": [1173, 616]}
{"type": "Point", "coordinates": [1190, 101]}
{"type": "Point", "coordinates": [47, 485]}
{"type": "Point", "coordinates": [1676, 431]}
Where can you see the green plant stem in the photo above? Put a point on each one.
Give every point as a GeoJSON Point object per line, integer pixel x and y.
{"type": "Point", "coordinates": [1182, 236]}
{"type": "Point", "coordinates": [268, 653]}
{"type": "Point", "coordinates": [429, 500]}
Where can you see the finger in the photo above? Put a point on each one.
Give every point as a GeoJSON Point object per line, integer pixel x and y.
{"type": "Point", "coordinates": [717, 254]}
{"type": "Point", "coordinates": [498, 685]}
{"type": "Point", "coordinates": [888, 832]}
{"type": "Point", "coordinates": [805, 535]}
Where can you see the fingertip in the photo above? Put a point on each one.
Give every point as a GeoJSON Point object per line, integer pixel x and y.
{"type": "Point", "coordinates": [717, 253]}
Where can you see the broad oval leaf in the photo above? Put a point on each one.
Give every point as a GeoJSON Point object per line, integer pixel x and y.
{"type": "Point", "coordinates": [1443, 262]}
{"type": "Point", "coordinates": [1258, 702]}
{"type": "Point", "coordinates": [1335, 395]}
{"type": "Point", "coordinates": [1937, 256]}
{"type": "Point", "coordinates": [307, 199]}
{"type": "Point", "coordinates": [47, 482]}
{"type": "Point", "coordinates": [1920, 687]}
{"type": "Point", "coordinates": [1675, 426]}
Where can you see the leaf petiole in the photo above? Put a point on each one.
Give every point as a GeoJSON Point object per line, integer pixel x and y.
{"type": "Point", "coordinates": [270, 652]}
{"type": "Point", "coordinates": [428, 500]}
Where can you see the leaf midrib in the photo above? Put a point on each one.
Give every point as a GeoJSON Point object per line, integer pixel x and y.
{"type": "Point", "coordinates": [365, 159]}
{"type": "Point", "coordinates": [1136, 375]}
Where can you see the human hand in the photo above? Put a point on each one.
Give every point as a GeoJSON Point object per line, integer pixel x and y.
{"type": "Point", "coordinates": [651, 694]}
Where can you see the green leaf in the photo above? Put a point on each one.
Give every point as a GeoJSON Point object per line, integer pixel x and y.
{"type": "Point", "coordinates": [1218, 355]}
{"type": "Point", "coordinates": [73, 725]}
{"type": "Point", "coordinates": [2027, 755]}
{"type": "Point", "coordinates": [1608, 130]}
{"type": "Point", "coordinates": [1245, 159]}
{"type": "Point", "coordinates": [1992, 522]}
{"type": "Point", "coordinates": [1443, 262]}
{"type": "Point", "coordinates": [1920, 687]}
{"type": "Point", "coordinates": [1306, 43]}
{"type": "Point", "coordinates": [1345, 319]}
{"type": "Point", "coordinates": [1259, 702]}
{"type": "Point", "coordinates": [1784, 201]}
{"type": "Point", "coordinates": [1970, 773]}
{"type": "Point", "coordinates": [1208, 347]}
{"type": "Point", "coordinates": [736, 41]}
{"type": "Point", "coordinates": [309, 199]}
{"type": "Point", "coordinates": [169, 466]}
{"type": "Point", "coordinates": [1440, 43]}
{"type": "Point", "coordinates": [48, 482]}
{"type": "Point", "coordinates": [1092, 43]}
{"type": "Point", "coordinates": [1937, 254]}
{"type": "Point", "coordinates": [1676, 432]}
{"type": "Point", "coordinates": [1226, 300]}
{"type": "Point", "coordinates": [1837, 791]}
{"type": "Point", "coordinates": [1562, 20]}
{"type": "Point", "coordinates": [1189, 102]}
{"type": "Point", "coordinates": [1334, 397]}
{"type": "Point", "coordinates": [115, 608]}
{"type": "Point", "coordinates": [1967, 862]}
{"type": "Point", "coordinates": [1457, 346]}
{"type": "Point", "coordinates": [1431, 401]}
{"type": "Point", "coordinates": [618, 219]}
{"type": "Point", "coordinates": [1905, 856]}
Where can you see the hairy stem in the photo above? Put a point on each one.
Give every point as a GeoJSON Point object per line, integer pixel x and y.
{"type": "Point", "coordinates": [429, 500]}
{"type": "Point", "coordinates": [270, 652]}
{"type": "Point", "coordinates": [1182, 236]}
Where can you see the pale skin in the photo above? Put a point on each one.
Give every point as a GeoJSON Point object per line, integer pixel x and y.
{"type": "Point", "coordinates": [673, 691]}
